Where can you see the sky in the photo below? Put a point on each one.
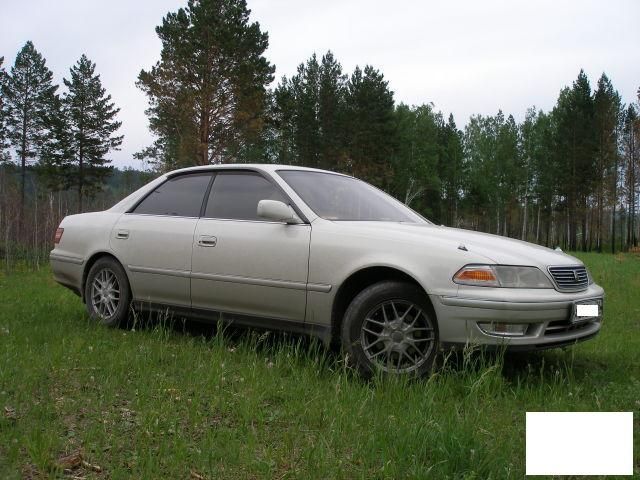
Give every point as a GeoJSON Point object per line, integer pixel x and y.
{"type": "Point", "coordinates": [466, 57]}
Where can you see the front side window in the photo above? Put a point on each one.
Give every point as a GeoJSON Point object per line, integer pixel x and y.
{"type": "Point", "coordinates": [235, 195]}
{"type": "Point", "coordinates": [338, 197]}
{"type": "Point", "coordinates": [180, 196]}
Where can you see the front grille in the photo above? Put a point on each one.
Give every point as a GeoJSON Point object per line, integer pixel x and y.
{"type": "Point", "coordinates": [570, 279]}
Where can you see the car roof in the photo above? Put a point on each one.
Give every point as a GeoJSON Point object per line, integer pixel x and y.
{"type": "Point", "coordinates": [267, 167]}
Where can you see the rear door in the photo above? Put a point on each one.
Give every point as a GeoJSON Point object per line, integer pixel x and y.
{"type": "Point", "coordinates": [155, 240]}
{"type": "Point", "coordinates": [243, 264]}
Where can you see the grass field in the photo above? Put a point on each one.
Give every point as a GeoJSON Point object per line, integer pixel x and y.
{"type": "Point", "coordinates": [79, 400]}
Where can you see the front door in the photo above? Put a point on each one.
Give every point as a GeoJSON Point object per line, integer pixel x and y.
{"type": "Point", "coordinates": [155, 240]}
{"type": "Point", "coordinates": [242, 264]}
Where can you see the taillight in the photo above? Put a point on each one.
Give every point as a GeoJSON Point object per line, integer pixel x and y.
{"type": "Point", "coordinates": [58, 235]}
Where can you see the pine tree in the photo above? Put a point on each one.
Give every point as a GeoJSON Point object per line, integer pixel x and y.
{"type": "Point", "coordinates": [370, 127]}
{"type": "Point", "coordinates": [331, 112]}
{"type": "Point", "coordinates": [631, 169]}
{"type": "Point", "coordinates": [4, 134]}
{"type": "Point", "coordinates": [91, 121]}
{"type": "Point", "coordinates": [575, 141]}
{"type": "Point", "coordinates": [415, 157]}
{"type": "Point", "coordinates": [510, 171]}
{"type": "Point", "coordinates": [321, 118]}
{"type": "Point", "coordinates": [584, 149]}
{"type": "Point", "coordinates": [491, 150]}
{"type": "Point", "coordinates": [607, 106]}
{"type": "Point", "coordinates": [310, 111]}
{"type": "Point", "coordinates": [564, 139]}
{"type": "Point", "coordinates": [29, 94]}
{"type": "Point", "coordinates": [207, 93]}
{"type": "Point", "coordinates": [528, 150]}
{"type": "Point", "coordinates": [280, 131]}
{"type": "Point", "coordinates": [305, 89]}
{"type": "Point", "coordinates": [55, 165]}
{"type": "Point", "coordinates": [481, 199]}
{"type": "Point", "coordinates": [540, 149]}
{"type": "Point", "coordinates": [450, 169]}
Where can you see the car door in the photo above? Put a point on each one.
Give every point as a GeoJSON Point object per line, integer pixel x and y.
{"type": "Point", "coordinates": [243, 264]}
{"type": "Point", "coordinates": [154, 241]}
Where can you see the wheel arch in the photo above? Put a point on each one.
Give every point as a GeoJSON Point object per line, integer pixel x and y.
{"type": "Point", "coordinates": [93, 258]}
{"type": "Point", "coordinates": [360, 279]}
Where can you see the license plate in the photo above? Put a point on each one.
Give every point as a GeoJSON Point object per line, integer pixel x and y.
{"type": "Point", "coordinates": [586, 309]}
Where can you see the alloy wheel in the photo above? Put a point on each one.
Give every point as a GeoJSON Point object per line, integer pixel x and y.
{"type": "Point", "coordinates": [105, 293]}
{"type": "Point", "coordinates": [397, 336]}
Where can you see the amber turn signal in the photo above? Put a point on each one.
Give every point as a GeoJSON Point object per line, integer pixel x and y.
{"type": "Point", "coordinates": [480, 275]}
{"type": "Point", "coordinates": [477, 275]}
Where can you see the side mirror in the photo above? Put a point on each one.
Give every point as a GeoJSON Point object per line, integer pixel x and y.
{"type": "Point", "coordinates": [276, 211]}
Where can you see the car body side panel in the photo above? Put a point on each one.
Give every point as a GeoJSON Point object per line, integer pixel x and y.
{"type": "Point", "coordinates": [84, 235]}
{"type": "Point", "coordinates": [340, 250]}
{"type": "Point", "coordinates": [156, 252]}
{"type": "Point", "coordinates": [254, 268]}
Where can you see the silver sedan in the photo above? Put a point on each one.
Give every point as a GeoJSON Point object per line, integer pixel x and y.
{"type": "Point", "coordinates": [317, 252]}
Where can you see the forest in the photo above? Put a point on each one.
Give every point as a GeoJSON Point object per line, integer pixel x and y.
{"type": "Point", "coordinates": [568, 177]}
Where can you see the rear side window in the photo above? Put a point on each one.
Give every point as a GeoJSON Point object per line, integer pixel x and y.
{"type": "Point", "coordinates": [181, 196]}
{"type": "Point", "coordinates": [235, 195]}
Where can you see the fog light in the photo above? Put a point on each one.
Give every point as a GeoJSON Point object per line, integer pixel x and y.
{"type": "Point", "coordinates": [504, 329]}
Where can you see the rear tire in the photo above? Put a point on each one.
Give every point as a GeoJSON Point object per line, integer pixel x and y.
{"type": "Point", "coordinates": [107, 294]}
{"type": "Point", "coordinates": [390, 327]}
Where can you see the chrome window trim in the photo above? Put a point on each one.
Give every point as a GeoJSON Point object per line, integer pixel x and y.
{"type": "Point", "coordinates": [216, 219]}
{"type": "Point", "coordinates": [214, 171]}
{"type": "Point", "coordinates": [252, 221]}
{"type": "Point", "coordinates": [160, 215]}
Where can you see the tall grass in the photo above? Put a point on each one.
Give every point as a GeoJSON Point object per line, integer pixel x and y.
{"type": "Point", "coordinates": [172, 399]}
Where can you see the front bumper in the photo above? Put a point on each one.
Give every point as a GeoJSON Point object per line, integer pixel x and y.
{"type": "Point", "coordinates": [549, 316]}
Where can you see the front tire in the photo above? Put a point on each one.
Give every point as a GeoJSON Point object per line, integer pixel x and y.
{"type": "Point", "coordinates": [390, 327]}
{"type": "Point", "coordinates": [107, 294]}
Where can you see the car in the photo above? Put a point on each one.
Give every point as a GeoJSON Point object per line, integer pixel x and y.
{"type": "Point", "coordinates": [321, 253]}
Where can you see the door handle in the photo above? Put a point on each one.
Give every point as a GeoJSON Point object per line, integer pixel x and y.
{"type": "Point", "coordinates": [122, 234]}
{"type": "Point", "coordinates": [207, 241]}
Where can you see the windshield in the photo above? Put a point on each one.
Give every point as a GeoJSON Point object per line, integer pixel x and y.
{"type": "Point", "coordinates": [336, 197]}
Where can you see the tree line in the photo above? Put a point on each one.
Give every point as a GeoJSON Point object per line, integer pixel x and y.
{"type": "Point", "coordinates": [568, 177]}
{"type": "Point", "coordinates": [53, 145]}
{"type": "Point", "coordinates": [66, 135]}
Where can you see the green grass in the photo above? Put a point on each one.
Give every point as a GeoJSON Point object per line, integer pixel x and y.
{"type": "Point", "coordinates": [162, 402]}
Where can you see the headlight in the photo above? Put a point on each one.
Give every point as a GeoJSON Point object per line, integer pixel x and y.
{"type": "Point", "coordinates": [505, 276]}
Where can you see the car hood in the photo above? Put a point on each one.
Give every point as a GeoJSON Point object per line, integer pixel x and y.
{"type": "Point", "coordinates": [488, 247]}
